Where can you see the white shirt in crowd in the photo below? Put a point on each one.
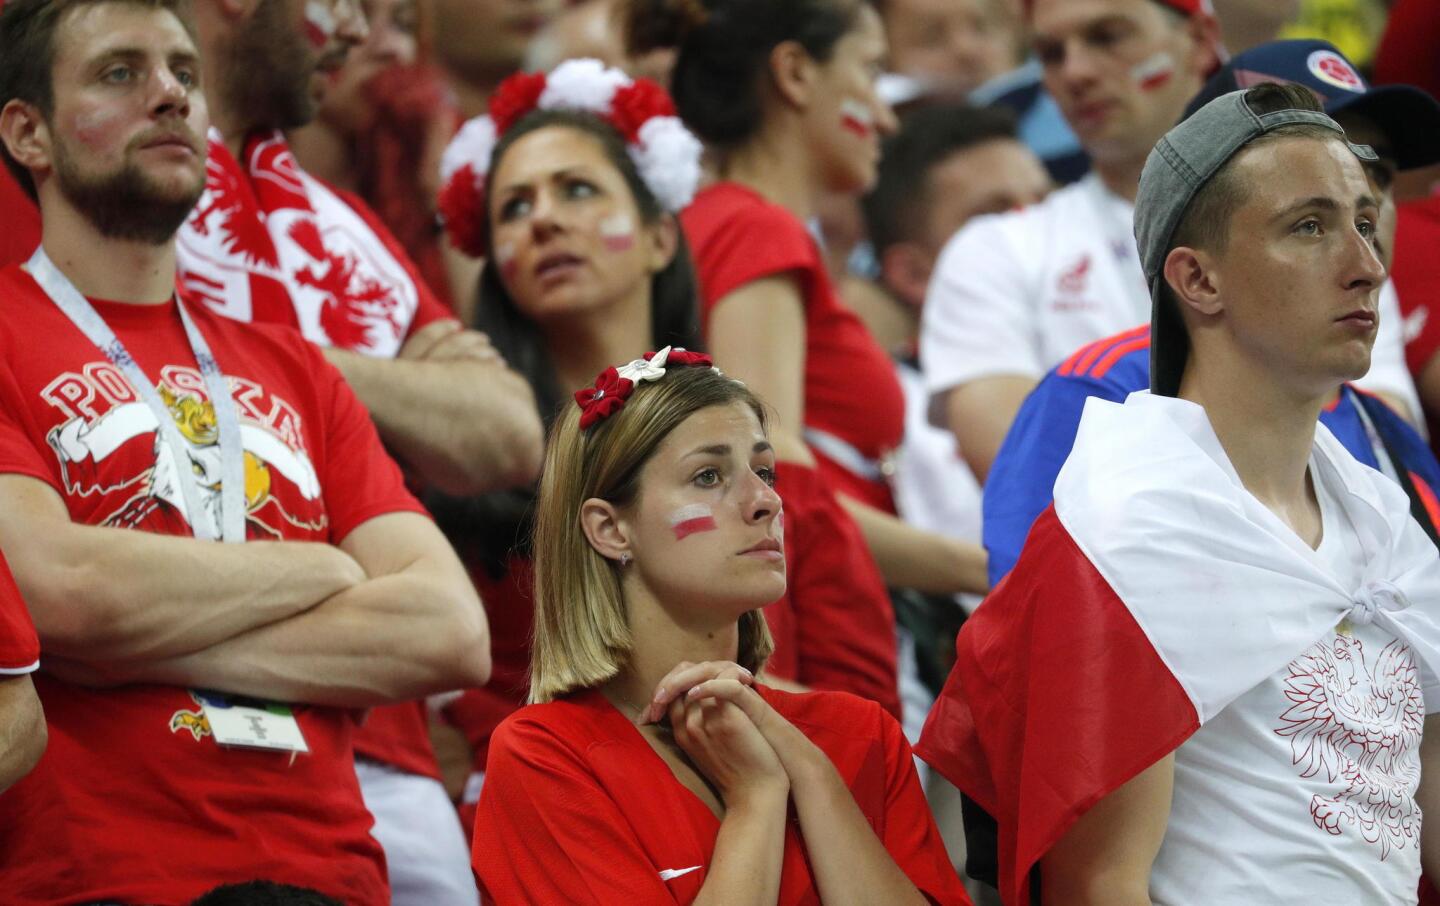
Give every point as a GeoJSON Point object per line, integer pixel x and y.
{"type": "Point", "coordinates": [1304, 787]}
{"type": "Point", "coordinates": [1018, 293]}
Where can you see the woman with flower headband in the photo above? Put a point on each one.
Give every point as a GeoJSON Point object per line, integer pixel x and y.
{"type": "Point", "coordinates": [783, 95]}
{"type": "Point", "coordinates": [659, 536]}
{"type": "Point", "coordinates": [568, 189]}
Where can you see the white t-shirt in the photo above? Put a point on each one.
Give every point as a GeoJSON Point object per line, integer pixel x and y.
{"type": "Point", "coordinates": [1303, 789]}
{"type": "Point", "coordinates": [1017, 293]}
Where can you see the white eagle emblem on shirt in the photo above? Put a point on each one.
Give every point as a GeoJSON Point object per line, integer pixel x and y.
{"type": "Point", "coordinates": [1358, 725]}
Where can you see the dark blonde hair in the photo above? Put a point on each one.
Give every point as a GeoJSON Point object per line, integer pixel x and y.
{"type": "Point", "coordinates": [582, 633]}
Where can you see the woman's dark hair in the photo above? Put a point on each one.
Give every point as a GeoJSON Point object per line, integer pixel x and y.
{"type": "Point", "coordinates": [489, 526]}
{"type": "Point", "coordinates": [724, 49]}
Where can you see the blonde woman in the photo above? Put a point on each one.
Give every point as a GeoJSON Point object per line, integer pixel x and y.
{"type": "Point", "coordinates": [650, 767]}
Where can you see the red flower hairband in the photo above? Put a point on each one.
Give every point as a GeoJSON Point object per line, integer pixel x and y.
{"type": "Point", "coordinates": [614, 385]}
{"type": "Point", "coordinates": [666, 155]}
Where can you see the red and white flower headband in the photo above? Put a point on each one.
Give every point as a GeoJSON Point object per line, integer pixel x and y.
{"type": "Point", "coordinates": [614, 385]}
{"type": "Point", "coordinates": [665, 153]}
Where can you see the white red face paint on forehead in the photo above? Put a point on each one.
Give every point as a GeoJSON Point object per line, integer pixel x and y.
{"type": "Point", "coordinates": [857, 117]}
{"type": "Point", "coordinates": [692, 519]}
{"type": "Point", "coordinates": [617, 232]}
{"type": "Point", "coordinates": [319, 24]}
{"type": "Point", "coordinates": [1154, 72]}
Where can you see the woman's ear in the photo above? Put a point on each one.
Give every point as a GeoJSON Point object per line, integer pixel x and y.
{"type": "Point", "coordinates": [662, 241]}
{"type": "Point", "coordinates": [1193, 280]}
{"type": "Point", "coordinates": [792, 71]}
{"type": "Point", "coordinates": [604, 529]}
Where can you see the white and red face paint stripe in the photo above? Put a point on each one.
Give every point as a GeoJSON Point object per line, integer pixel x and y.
{"type": "Point", "coordinates": [1154, 72]}
{"type": "Point", "coordinates": [856, 117]}
{"type": "Point", "coordinates": [692, 519]}
{"type": "Point", "coordinates": [319, 23]}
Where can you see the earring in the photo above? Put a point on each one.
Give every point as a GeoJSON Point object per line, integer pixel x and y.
{"type": "Point", "coordinates": [625, 559]}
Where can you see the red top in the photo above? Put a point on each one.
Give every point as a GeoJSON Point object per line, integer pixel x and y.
{"type": "Point", "coordinates": [1406, 54]}
{"type": "Point", "coordinates": [19, 646]}
{"type": "Point", "coordinates": [510, 609]}
{"type": "Point", "coordinates": [133, 801]}
{"type": "Point", "coordinates": [851, 391]}
{"type": "Point", "coordinates": [1416, 272]}
{"type": "Point", "coordinates": [21, 235]}
{"type": "Point", "coordinates": [578, 808]}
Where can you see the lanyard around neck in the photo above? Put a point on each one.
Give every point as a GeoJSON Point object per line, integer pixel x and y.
{"type": "Point", "coordinates": [232, 455]}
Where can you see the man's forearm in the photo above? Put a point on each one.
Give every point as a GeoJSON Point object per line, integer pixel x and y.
{"type": "Point", "coordinates": [393, 638]}
{"type": "Point", "coordinates": [111, 595]}
{"type": "Point", "coordinates": [464, 426]}
{"type": "Point", "coordinates": [911, 557]}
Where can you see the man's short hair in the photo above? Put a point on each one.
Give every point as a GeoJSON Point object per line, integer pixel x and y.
{"type": "Point", "coordinates": [263, 893]}
{"type": "Point", "coordinates": [1206, 222]}
{"type": "Point", "coordinates": [895, 208]}
{"type": "Point", "coordinates": [27, 64]}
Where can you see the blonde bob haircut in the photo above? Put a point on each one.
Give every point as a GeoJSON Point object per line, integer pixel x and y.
{"type": "Point", "coordinates": [582, 636]}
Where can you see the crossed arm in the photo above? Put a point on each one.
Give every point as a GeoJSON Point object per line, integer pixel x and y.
{"type": "Point", "coordinates": [389, 615]}
{"type": "Point", "coordinates": [450, 409]}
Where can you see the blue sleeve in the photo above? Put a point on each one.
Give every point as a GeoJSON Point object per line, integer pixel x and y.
{"type": "Point", "coordinates": [1021, 483]}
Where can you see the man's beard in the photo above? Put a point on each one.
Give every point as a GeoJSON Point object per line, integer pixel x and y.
{"type": "Point", "coordinates": [266, 79]}
{"type": "Point", "coordinates": [125, 204]}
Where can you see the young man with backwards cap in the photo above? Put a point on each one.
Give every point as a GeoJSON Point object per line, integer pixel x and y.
{"type": "Point", "coordinates": [1206, 680]}
{"type": "Point", "coordinates": [1402, 125]}
{"type": "Point", "coordinates": [1013, 295]}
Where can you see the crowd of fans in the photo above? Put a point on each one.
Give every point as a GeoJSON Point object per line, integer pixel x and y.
{"type": "Point", "coordinates": [498, 331]}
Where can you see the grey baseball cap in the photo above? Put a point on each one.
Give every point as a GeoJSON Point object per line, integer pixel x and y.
{"type": "Point", "coordinates": [1182, 162]}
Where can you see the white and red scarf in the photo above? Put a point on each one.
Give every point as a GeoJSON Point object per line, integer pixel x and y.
{"type": "Point", "coordinates": [1155, 592]}
{"type": "Point", "coordinates": [270, 243]}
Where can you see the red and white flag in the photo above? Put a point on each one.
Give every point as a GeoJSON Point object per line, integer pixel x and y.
{"type": "Point", "coordinates": [1153, 593]}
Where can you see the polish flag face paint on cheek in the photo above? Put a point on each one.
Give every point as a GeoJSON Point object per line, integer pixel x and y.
{"type": "Point", "coordinates": [692, 519]}
{"type": "Point", "coordinates": [617, 233]}
{"type": "Point", "coordinates": [1154, 72]}
{"type": "Point", "coordinates": [319, 24]}
{"type": "Point", "coordinates": [856, 118]}
{"type": "Point", "coordinates": [505, 258]}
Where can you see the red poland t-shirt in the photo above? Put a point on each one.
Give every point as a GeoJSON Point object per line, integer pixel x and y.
{"type": "Point", "coordinates": [19, 646]}
{"type": "Point", "coordinates": [21, 234]}
{"type": "Point", "coordinates": [134, 801]}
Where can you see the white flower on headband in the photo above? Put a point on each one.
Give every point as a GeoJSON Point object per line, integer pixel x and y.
{"type": "Point", "coordinates": [668, 156]}
{"type": "Point", "coordinates": [652, 369]}
{"type": "Point", "coordinates": [582, 85]}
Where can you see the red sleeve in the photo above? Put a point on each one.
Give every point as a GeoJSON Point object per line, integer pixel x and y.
{"type": "Point", "coordinates": [19, 646]}
{"type": "Point", "coordinates": [547, 832]}
{"type": "Point", "coordinates": [1408, 50]}
{"type": "Point", "coordinates": [844, 622]}
{"type": "Point", "coordinates": [753, 241]}
{"type": "Point", "coordinates": [1416, 272]}
{"type": "Point", "coordinates": [19, 455]}
{"type": "Point", "coordinates": [429, 309]}
{"type": "Point", "coordinates": [359, 479]}
{"type": "Point", "coordinates": [21, 235]}
{"type": "Point", "coordinates": [911, 837]}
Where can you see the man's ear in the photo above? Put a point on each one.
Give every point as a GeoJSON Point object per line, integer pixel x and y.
{"type": "Point", "coordinates": [26, 135]}
{"type": "Point", "coordinates": [237, 9]}
{"type": "Point", "coordinates": [1191, 275]}
{"type": "Point", "coordinates": [604, 529]}
{"type": "Point", "coordinates": [662, 239]}
{"type": "Point", "coordinates": [905, 267]}
{"type": "Point", "coordinates": [792, 70]}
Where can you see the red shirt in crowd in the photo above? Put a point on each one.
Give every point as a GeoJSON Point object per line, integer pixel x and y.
{"type": "Point", "coordinates": [578, 808]}
{"type": "Point", "coordinates": [19, 646]}
{"type": "Point", "coordinates": [21, 234]}
{"type": "Point", "coordinates": [851, 391]}
{"type": "Point", "coordinates": [835, 627]}
{"type": "Point", "coordinates": [269, 243]}
{"type": "Point", "coordinates": [134, 801]}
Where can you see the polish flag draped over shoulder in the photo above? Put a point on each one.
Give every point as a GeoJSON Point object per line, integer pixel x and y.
{"type": "Point", "coordinates": [1153, 593]}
